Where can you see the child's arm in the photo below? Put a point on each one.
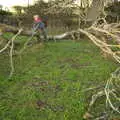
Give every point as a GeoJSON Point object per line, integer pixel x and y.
{"type": "Point", "coordinates": [34, 25]}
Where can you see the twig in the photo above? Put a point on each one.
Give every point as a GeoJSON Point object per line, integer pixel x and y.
{"type": "Point", "coordinates": [5, 47]}
{"type": "Point", "coordinates": [11, 52]}
{"type": "Point", "coordinates": [93, 88]}
{"type": "Point", "coordinates": [29, 39]}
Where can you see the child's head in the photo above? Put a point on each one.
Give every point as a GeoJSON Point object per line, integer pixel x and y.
{"type": "Point", "coordinates": [36, 17]}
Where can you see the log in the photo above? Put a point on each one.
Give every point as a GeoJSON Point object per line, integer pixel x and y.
{"type": "Point", "coordinates": [7, 28]}
{"type": "Point", "coordinates": [101, 31]}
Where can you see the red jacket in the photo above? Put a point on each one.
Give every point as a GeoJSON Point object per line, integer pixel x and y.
{"type": "Point", "coordinates": [37, 20]}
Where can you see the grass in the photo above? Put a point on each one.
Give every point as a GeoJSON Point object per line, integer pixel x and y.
{"type": "Point", "coordinates": [49, 81]}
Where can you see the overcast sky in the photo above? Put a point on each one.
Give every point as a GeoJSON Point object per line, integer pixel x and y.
{"type": "Point", "coordinates": [9, 3]}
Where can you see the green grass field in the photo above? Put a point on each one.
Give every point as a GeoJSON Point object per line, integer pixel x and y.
{"type": "Point", "coordinates": [49, 81]}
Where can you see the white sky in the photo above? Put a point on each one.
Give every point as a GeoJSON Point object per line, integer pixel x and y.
{"type": "Point", "coordinates": [9, 3]}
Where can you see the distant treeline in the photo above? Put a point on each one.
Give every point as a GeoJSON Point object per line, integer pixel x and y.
{"type": "Point", "coordinates": [66, 18]}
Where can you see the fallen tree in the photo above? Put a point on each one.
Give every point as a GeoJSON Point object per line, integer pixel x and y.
{"type": "Point", "coordinates": [109, 29]}
{"type": "Point", "coordinates": [25, 32]}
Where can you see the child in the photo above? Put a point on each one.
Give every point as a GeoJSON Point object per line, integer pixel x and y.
{"type": "Point", "coordinates": [39, 25]}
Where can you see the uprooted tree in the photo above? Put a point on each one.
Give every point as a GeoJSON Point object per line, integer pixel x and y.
{"type": "Point", "coordinates": [99, 32]}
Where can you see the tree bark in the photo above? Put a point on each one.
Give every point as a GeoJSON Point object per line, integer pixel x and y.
{"type": "Point", "coordinates": [7, 28]}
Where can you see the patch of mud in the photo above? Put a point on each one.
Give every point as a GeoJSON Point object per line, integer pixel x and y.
{"type": "Point", "coordinates": [44, 105]}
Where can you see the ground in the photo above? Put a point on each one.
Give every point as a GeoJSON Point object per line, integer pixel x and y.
{"type": "Point", "coordinates": [50, 80]}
